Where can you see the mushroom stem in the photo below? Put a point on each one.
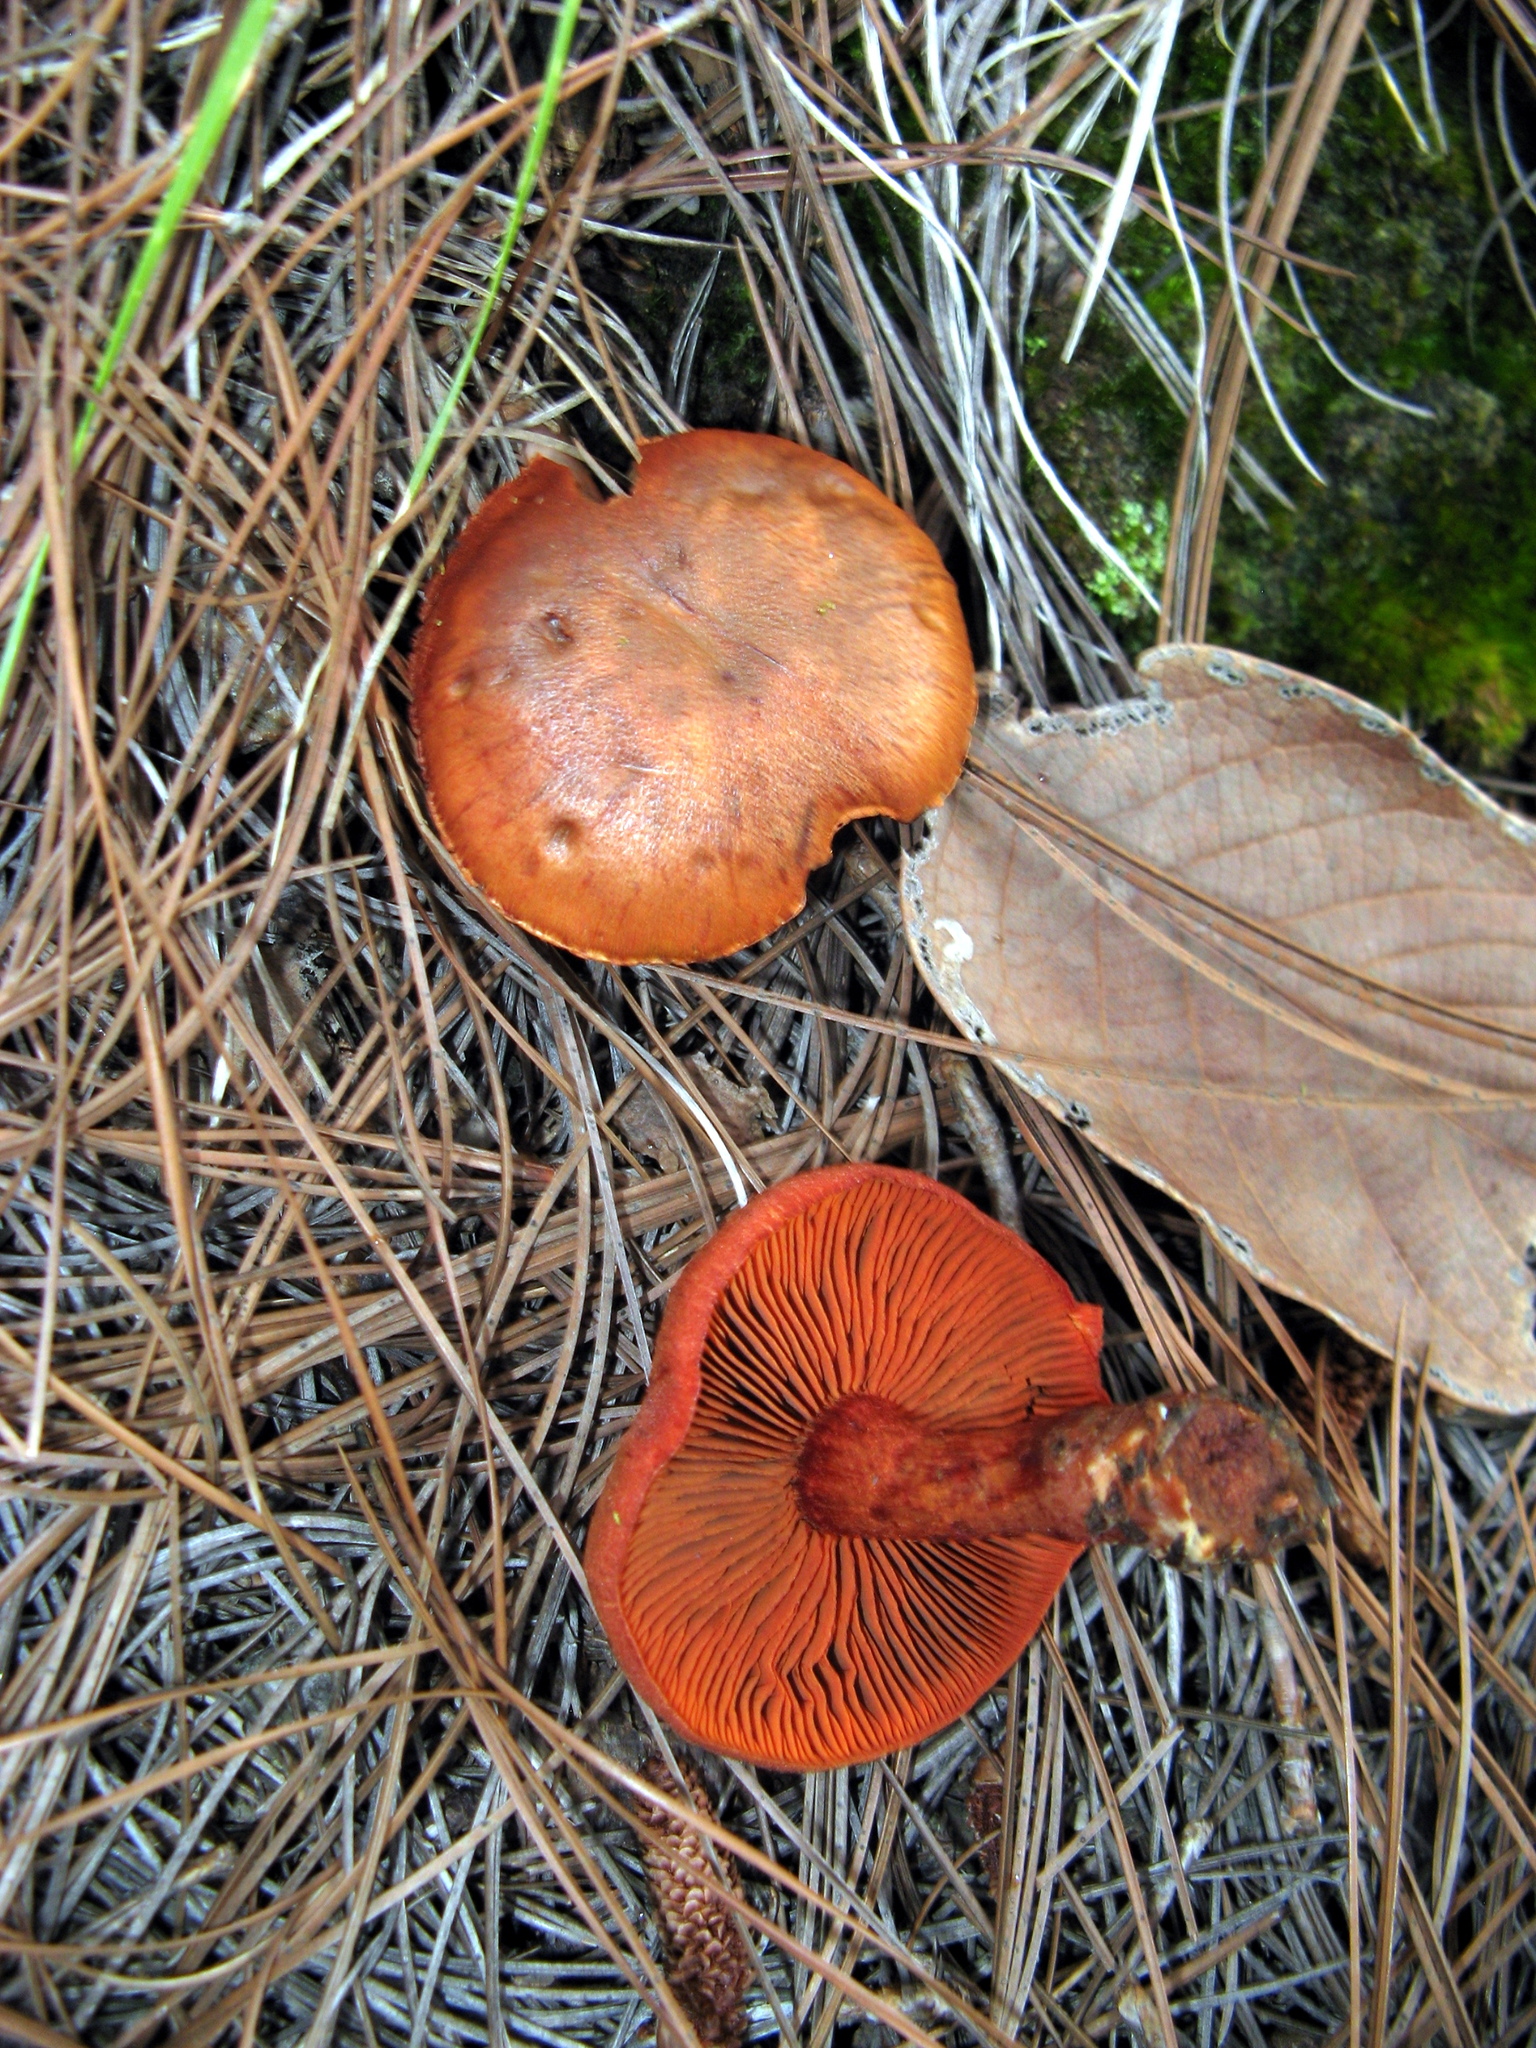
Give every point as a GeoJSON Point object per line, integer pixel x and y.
{"type": "Point", "coordinates": [1196, 1478]}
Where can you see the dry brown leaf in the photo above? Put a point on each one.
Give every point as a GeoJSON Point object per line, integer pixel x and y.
{"type": "Point", "coordinates": [1272, 955]}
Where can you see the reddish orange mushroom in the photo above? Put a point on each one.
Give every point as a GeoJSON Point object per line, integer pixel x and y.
{"type": "Point", "coordinates": [641, 720]}
{"type": "Point", "coordinates": [874, 1443]}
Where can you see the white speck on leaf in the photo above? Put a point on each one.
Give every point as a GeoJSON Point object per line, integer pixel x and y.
{"type": "Point", "coordinates": [958, 945]}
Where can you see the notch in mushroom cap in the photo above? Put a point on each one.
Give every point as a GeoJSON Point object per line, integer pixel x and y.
{"type": "Point", "coordinates": [641, 720]}
{"type": "Point", "coordinates": [873, 1444]}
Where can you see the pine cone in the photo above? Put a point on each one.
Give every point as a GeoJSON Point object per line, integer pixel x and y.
{"type": "Point", "coordinates": [1354, 1381]}
{"type": "Point", "coordinates": [707, 1961]}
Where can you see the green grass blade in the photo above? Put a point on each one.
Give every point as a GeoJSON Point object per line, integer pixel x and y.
{"type": "Point", "coordinates": [533, 156]}
{"type": "Point", "coordinates": [231, 80]}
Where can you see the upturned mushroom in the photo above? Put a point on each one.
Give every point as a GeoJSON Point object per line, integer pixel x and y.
{"type": "Point", "coordinates": [640, 720]}
{"type": "Point", "coordinates": [874, 1443]}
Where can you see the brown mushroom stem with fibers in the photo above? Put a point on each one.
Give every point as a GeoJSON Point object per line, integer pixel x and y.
{"type": "Point", "coordinates": [1197, 1479]}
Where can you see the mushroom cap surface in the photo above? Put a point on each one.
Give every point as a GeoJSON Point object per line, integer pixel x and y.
{"type": "Point", "coordinates": [747, 1629]}
{"type": "Point", "coordinates": [640, 720]}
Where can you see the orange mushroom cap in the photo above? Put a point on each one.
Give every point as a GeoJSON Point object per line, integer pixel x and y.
{"type": "Point", "coordinates": [748, 1629]}
{"type": "Point", "coordinates": [641, 720]}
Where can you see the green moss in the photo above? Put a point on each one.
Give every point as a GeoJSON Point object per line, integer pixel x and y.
{"type": "Point", "coordinates": [1141, 535]}
{"type": "Point", "coordinates": [1412, 577]}
{"type": "Point", "coordinates": [651, 283]}
{"type": "Point", "coordinates": [1113, 436]}
{"type": "Point", "coordinates": [731, 365]}
{"type": "Point", "coordinates": [1410, 580]}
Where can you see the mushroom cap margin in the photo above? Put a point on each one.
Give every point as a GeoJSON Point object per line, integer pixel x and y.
{"type": "Point", "coordinates": [641, 720]}
{"type": "Point", "coordinates": [1019, 1573]}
